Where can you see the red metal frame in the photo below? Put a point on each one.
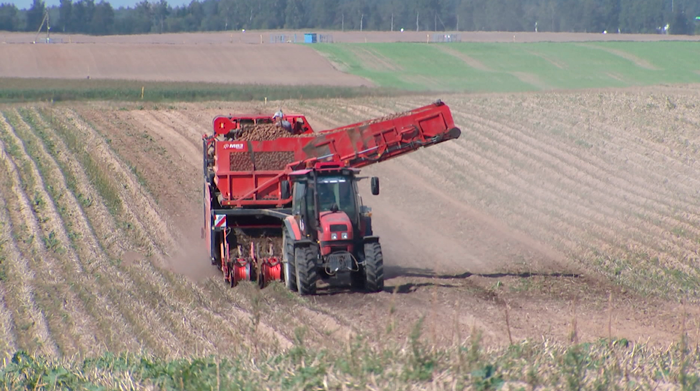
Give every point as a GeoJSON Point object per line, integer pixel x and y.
{"type": "Point", "coordinates": [355, 145]}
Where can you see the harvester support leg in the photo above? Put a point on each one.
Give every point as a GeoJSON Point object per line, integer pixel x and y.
{"type": "Point", "coordinates": [290, 272]}
{"type": "Point", "coordinates": [305, 260]}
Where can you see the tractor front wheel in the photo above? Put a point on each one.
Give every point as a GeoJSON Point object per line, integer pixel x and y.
{"type": "Point", "coordinates": [305, 259]}
{"type": "Point", "coordinates": [374, 267]}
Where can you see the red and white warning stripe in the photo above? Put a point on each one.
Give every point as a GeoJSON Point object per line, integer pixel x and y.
{"type": "Point", "coordinates": [220, 221]}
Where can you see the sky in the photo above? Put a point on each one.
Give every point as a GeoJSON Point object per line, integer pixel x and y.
{"type": "Point", "coordinates": [24, 4]}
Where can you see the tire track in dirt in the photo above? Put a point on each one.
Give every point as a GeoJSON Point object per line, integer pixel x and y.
{"type": "Point", "coordinates": [464, 295]}
{"type": "Point", "coordinates": [19, 265]}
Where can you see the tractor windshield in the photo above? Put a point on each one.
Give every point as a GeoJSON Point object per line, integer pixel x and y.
{"type": "Point", "coordinates": [336, 190]}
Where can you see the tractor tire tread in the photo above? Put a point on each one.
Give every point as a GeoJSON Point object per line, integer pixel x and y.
{"type": "Point", "coordinates": [374, 267]}
{"type": "Point", "coordinates": [307, 276]}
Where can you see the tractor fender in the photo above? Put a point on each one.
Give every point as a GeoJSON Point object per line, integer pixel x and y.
{"type": "Point", "coordinates": [292, 228]}
{"type": "Point", "coordinates": [370, 239]}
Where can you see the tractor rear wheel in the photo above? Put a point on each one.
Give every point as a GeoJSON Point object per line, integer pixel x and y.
{"type": "Point", "coordinates": [374, 267]}
{"type": "Point", "coordinates": [305, 259]}
{"type": "Point", "coordinates": [288, 263]}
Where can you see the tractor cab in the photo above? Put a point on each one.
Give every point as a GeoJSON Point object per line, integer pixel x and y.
{"type": "Point", "coordinates": [327, 204]}
{"type": "Point", "coordinates": [330, 216]}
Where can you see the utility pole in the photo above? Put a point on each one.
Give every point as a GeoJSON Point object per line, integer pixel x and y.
{"type": "Point", "coordinates": [417, 13]}
{"type": "Point", "coordinates": [457, 23]}
{"type": "Point", "coordinates": [361, 18]}
{"type": "Point", "coordinates": [435, 28]}
{"type": "Point", "coordinates": [342, 22]}
{"type": "Point", "coordinates": [392, 21]}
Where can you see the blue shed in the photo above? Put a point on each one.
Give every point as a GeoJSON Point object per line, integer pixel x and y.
{"type": "Point", "coordinates": [310, 38]}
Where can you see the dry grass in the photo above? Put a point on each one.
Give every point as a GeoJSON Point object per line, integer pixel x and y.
{"type": "Point", "coordinates": [607, 178]}
{"type": "Point", "coordinates": [361, 364]}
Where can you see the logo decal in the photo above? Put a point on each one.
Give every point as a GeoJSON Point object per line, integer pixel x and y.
{"type": "Point", "coordinates": [238, 146]}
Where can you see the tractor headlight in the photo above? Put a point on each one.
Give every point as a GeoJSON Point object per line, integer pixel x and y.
{"type": "Point", "coordinates": [344, 235]}
{"type": "Point", "coordinates": [334, 236]}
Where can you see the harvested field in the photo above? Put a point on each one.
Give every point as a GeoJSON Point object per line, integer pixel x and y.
{"type": "Point", "coordinates": [563, 216]}
{"type": "Point", "coordinates": [234, 63]}
{"type": "Point", "coordinates": [254, 36]}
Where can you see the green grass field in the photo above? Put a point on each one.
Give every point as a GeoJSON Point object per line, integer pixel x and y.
{"type": "Point", "coordinates": [30, 90]}
{"type": "Point", "coordinates": [512, 67]}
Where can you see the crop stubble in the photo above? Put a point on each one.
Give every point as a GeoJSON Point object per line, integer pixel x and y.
{"type": "Point", "coordinates": [519, 161]}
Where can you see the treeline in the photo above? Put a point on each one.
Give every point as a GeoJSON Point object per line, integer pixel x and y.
{"type": "Point", "coordinates": [627, 16]}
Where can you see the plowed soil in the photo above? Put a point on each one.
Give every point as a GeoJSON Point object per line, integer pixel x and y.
{"type": "Point", "coordinates": [531, 225]}
{"type": "Point", "coordinates": [228, 57]}
{"type": "Point", "coordinates": [215, 63]}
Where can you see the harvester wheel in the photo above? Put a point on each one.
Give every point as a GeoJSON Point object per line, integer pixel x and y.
{"type": "Point", "coordinates": [288, 263]}
{"type": "Point", "coordinates": [305, 260]}
{"type": "Point", "coordinates": [374, 267]}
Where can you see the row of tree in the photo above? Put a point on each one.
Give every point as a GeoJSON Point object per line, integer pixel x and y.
{"type": "Point", "coordinates": [628, 16]}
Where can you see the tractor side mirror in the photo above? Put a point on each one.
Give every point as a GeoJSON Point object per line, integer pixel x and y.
{"type": "Point", "coordinates": [375, 185]}
{"type": "Point", "coordinates": [284, 190]}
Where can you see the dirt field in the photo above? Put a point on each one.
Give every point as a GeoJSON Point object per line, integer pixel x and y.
{"type": "Point", "coordinates": [254, 37]}
{"type": "Point", "coordinates": [221, 57]}
{"type": "Point", "coordinates": [541, 210]}
{"type": "Point", "coordinates": [234, 63]}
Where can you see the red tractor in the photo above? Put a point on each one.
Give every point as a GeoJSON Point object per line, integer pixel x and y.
{"type": "Point", "coordinates": [286, 206]}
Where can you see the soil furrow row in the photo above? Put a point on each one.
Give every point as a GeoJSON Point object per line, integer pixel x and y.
{"type": "Point", "coordinates": [184, 150]}
{"type": "Point", "coordinates": [9, 304]}
{"type": "Point", "coordinates": [154, 288]}
{"type": "Point", "coordinates": [636, 151]}
{"type": "Point", "coordinates": [589, 225]}
{"type": "Point", "coordinates": [685, 222]}
{"type": "Point", "coordinates": [621, 143]}
{"type": "Point", "coordinates": [35, 335]}
{"type": "Point", "coordinates": [188, 129]}
{"type": "Point", "coordinates": [129, 287]}
{"type": "Point", "coordinates": [98, 291]}
{"type": "Point", "coordinates": [8, 343]}
{"type": "Point", "coordinates": [141, 205]}
{"type": "Point", "coordinates": [75, 330]}
{"type": "Point", "coordinates": [198, 330]}
{"type": "Point", "coordinates": [558, 186]}
{"type": "Point", "coordinates": [641, 196]}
